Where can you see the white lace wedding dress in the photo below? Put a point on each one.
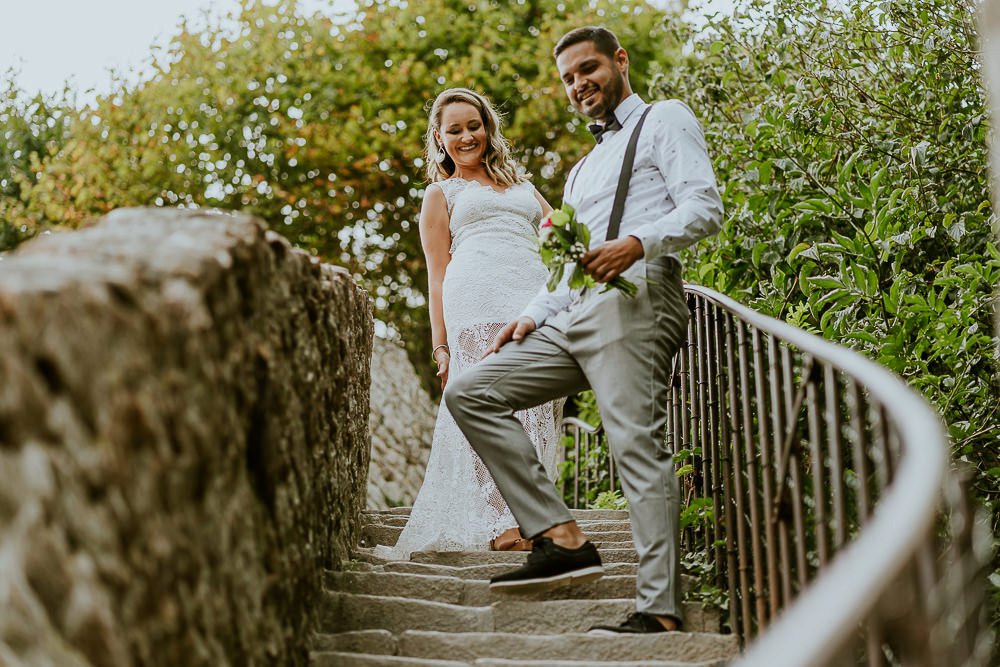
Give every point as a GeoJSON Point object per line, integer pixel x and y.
{"type": "Point", "coordinates": [494, 271]}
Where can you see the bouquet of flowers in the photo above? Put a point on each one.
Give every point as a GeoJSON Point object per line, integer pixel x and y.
{"type": "Point", "coordinates": [564, 240]}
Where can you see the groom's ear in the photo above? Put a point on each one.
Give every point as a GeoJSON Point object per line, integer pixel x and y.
{"type": "Point", "coordinates": [621, 60]}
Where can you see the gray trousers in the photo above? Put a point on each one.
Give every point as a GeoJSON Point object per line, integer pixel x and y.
{"type": "Point", "coordinates": [622, 349]}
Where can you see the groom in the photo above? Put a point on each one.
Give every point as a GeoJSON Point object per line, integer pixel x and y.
{"type": "Point", "coordinates": [620, 347]}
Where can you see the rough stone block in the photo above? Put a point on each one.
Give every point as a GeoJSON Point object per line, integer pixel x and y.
{"type": "Point", "coordinates": [183, 441]}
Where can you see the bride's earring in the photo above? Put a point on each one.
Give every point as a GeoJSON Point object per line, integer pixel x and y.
{"type": "Point", "coordinates": [441, 156]}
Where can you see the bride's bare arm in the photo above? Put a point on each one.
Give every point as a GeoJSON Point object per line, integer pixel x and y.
{"type": "Point", "coordinates": [436, 241]}
{"type": "Point", "coordinates": [546, 207]}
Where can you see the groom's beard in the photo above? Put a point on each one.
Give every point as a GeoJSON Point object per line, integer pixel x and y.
{"type": "Point", "coordinates": [611, 97]}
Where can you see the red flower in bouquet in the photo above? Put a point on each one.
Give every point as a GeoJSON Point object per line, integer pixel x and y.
{"type": "Point", "coordinates": [564, 240]}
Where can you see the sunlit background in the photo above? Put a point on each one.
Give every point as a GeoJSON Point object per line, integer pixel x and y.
{"type": "Point", "coordinates": [51, 43]}
{"type": "Point", "coordinates": [54, 43]}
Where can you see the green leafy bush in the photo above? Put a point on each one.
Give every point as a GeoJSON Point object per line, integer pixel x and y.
{"type": "Point", "coordinates": [850, 140]}
{"type": "Point", "coordinates": [609, 500]}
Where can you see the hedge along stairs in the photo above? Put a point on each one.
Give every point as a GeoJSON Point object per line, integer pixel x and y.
{"type": "Point", "coordinates": [437, 610]}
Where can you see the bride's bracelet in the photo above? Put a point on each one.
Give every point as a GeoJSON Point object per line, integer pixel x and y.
{"type": "Point", "coordinates": [434, 351]}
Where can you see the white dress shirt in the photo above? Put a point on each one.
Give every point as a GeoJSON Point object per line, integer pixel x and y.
{"type": "Point", "coordinates": [672, 200]}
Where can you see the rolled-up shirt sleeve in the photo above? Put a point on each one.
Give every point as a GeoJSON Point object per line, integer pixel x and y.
{"type": "Point", "coordinates": [545, 304]}
{"type": "Point", "coordinates": [680, 154]}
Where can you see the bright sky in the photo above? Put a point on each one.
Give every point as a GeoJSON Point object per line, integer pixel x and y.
{"type": "Point", "coordinates": [50, 41]}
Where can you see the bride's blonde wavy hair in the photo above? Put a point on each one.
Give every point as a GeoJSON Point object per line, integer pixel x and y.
{"type": "Point", "coordinates": [497, 160]}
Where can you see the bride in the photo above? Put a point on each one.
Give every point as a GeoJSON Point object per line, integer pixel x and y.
{"type": "Point", "coordinates": [478, 228]}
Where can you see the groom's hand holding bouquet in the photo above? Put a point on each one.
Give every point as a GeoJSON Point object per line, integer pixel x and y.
{"type": "Point", "coordinates": [563, 240]}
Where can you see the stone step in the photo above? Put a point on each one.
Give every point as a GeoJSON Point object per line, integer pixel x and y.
{"type": "Point", "coordinates": [495, 662]}
{"type": "Point", "coordinates": [344, 612]}
{"type": "Point", "coordinates": [377, 533]}
{"type": "Point", "coordinates": [471, 571]}
{"type": "Point", "coordinates": [373, 533]}
{"type": "Point", "coordinates": [337, 659]}
{"type": "Point", "coordinates": [588, 526]}
{"type": "Point", "coordinates": [690, 647]}
{"type": "Point", "coordinates": [372, 642]}
{"type": "Point", "coordinates": [578, 514]}
{"type": "Point", "coordinates": [546, 650]}
{"type": "Point", "coordinates": [474, 592]}
{"type": "Point", "coordinates": [514, 558]}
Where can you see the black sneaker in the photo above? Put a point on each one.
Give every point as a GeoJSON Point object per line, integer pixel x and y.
{"type": "Point", "coordinates": [550, 565]}
{"type": "Point", "coordinates": [639, 623]}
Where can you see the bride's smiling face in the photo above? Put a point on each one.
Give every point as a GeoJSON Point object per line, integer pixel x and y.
{"type": "Point", "coordinates": [463, 134]}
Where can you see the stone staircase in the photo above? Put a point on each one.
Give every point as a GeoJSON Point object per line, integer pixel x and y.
{"type": "Point", "coordinates": [436, 610]}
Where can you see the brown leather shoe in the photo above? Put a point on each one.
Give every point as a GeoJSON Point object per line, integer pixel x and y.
{"type": "Point", "coordinates": [510, 540]}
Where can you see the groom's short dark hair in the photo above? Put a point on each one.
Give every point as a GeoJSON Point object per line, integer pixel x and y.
{"type": "Point", "coordinates": [603, 39]}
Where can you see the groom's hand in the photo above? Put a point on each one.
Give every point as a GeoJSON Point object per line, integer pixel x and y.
{"type": "Point", "coordinates": [515, 330]}
{"type": "Point", "coordinates": [609, 260]}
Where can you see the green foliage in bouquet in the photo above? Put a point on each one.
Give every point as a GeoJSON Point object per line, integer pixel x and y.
{"type": "Point", "coordinates": [563, 240]}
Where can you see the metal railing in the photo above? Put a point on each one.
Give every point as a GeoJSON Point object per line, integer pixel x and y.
{"type": "Point", "coordinates": [590, 466]}
{"type": "Point", "coordinates": [838, 527]}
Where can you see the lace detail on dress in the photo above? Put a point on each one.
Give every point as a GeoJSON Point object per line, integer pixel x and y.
{"type": "Point", "coordinates": [539, 423]}
{"type": "Point", "coordinates": [451, 187]}
{"type": "Point", "coordinates": [494, 272]}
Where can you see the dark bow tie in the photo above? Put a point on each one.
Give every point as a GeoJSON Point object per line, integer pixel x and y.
{"type": "Point", "coordinates": [598, 130]}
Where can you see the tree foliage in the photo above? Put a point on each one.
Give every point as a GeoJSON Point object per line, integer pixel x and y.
{"type": "Point", "coordinates": [850, 138]}
{"type": "Point", "coordinates": [32, 128]}
{"type": "Point", "coordinates": [851, 142]}
{"type": "Point", "coordinates": [317, 125]}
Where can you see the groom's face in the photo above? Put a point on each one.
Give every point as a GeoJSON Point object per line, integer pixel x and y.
{"type": "Point", "coordinates": [595, 83]}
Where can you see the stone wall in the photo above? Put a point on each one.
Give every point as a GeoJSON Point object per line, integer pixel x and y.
{"type": "Point", "coordinates": [402, 425]}
{"type": "Point", "coordinates": [183, 442]}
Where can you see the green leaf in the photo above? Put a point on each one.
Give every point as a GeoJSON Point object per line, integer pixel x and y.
{"type": "Point", "coordinates": [816, 204]}
{"type": "Point", "coordinates": [801, 247]}
{"type": "Point", "coordinates": [555, 277]}
{"type": "Point", "coordinates": [826, 282]}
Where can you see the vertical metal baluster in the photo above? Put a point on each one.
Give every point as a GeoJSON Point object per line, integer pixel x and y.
{"type": "Point", "coordinates": [838, 482]}
{"type": "Point", "coordinates": [820, 520]}
{"type": "Point", "coordinates": [795, 467]}
{"type": "Point", "coordinates": [689, 414]}
{"type": "Point", "coordinates": [702, 426]}
{"type": "Point", "coordinates": [694, 395]}
{"type": "Point", "coordinates": [873, 642]}
{"type": "Point", "coordinates": [671, 429]}
{"type": "Point", "coordinates": [716, 432]}
{"type": "Point", "coordinates": [860, 449]}
{"type": "Point", "coordinates": [588, 452]}
{"type": "Point", "coordinates": [674, 433]}
{"type": "Point", "coordinates": [778, 428]}
{"type": "Point", "coordinates": [685, 439]}
{"type": "Point", "coordinates": [767, 475]}
{"type": "Point", "coordinates": [576, 467]}
{"type": "Point", "coordinates": [883, 435]}
{"type": "Point", "coordinates": [675, 404]}
{"type": "Point", "coordinates": [611, 471]}
{"type": "Point", "coordinates": [756, 539]}
{"type": "Point", "coordinates": [560, 460]}
{"type": "Point", "coordinates": [735, 427]}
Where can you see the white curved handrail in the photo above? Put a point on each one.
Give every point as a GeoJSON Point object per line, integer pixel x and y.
{"type": "Point", "coordinates": [824, 618]}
